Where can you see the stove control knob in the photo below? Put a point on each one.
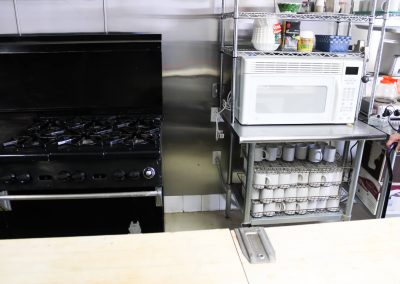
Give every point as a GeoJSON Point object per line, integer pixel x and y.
{"type": "Point", "coordinates": [24, 178]}
{"type": "Point", "coordinates": [7, 178]}
{"type": "Point", "coordinates": [64, 176]}
{"type": "Point", "coordinates": [134, 175]}
{"type": "Point", "coordinates": [119, 174]}
{"type": "Point", "coordinates": [78, 176]}
{"type": "Point", "coordinates": [149, 172]}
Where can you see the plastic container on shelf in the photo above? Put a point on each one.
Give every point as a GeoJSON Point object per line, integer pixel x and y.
{"type": "Point", "coordinates": [387, 88]}
{"type": "Point", "coordinates": [331, 43]}
{"type": "Point", "coordinates": [306, 41]}
{"type": "Point", "coordinates": [266, 34]}
{"type": "Point", "coordinates": [288, 7]}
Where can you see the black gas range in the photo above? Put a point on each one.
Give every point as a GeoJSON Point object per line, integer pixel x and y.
{"type": "Point", "coordinates": [80, 137]}
{"type": "Point", "coordinates": [116, 151]}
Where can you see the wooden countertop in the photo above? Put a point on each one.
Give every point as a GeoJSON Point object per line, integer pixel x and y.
{"type": "Point", "coordinates": [184, 257]}
{"type": "Point", "coordinates": [343, 252]}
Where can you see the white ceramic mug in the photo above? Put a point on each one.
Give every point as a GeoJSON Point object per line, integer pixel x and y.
{"type": "Point", "coordinates": [271, 152]}
{"type": "Point", "coordinates": [272, 179]}
{"type": "Point", "coordinates": [259, 180]}
{"type": "Point", "coordinates": [257, 209]}
{"type": "Point", "coordinates": [313, 192]}
{"type": "Point", "coordinates": [270, 209]}
{"type": "Point", "coordinates": [290, 194]}
{"type": "Point", "coordinates": [301, 151]}
{"type": "Point", "coordinates": [279, 194]}
{"type": "Point", "coordinates": [259, 153]}
{"type": "Point", "coordinates": [284, 179]}
{"type": "Point", "coordinates": [315, 178]}
{"type": "Point", "coordinates": [280, 206]}
{"type": "Point", "coordinates": [303, 177]}
{"type": "Point", "coordinates": [334, 190]}
{"type": "Point", "coordinates": [255, 194]}
{"type": "Point", "coordinates": [329, 154]}
{"type": "Point", "coordinates": [302, 193]}
{"type": "Point", "coordinates": [315, 154]}
{"type": "Point", "coordinates": [332, 204]}
{"type": "Point", "coordinates": [266, 195]}
{"type": "Point", "coordinates": [327, 177]}
{"type": "Point", "coordinates": [321, 205]}
{"type": "Point", "coordinates": [312, 205]}
{"type": "Point", "coordinates": [338, 175]}
{"type": "Point", "coordinates": [288, 153]}
{"type": "Point", "coordinates": [324, 192]}
{"type": "Point", "coordinates": [290, 208]}
{"type": "Point", "coordinates": [294, 177]}
{"type": "Point", "coordinates": [301, 207]}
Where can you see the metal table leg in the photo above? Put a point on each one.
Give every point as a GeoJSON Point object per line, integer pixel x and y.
{"type": "Point", "coordinates": [249, 183]}
{"type": "Point", "coordinates": [354, 180]}
{"type": "Point", "coordinates": [384, 188]}
{"type": "Point", "coordinates": [345, 152]}
{"type": "Point", "coordinates": [228, 196]}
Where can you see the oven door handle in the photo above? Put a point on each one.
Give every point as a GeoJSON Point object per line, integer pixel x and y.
{"type": "Point", "coordinates": [156, 193]}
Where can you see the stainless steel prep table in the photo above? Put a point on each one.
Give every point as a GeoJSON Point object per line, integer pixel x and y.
{"type": "Point", "coordinates": [252, 135]}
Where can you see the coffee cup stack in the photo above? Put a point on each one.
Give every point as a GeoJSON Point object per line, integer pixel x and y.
{"type": "Point", "coordinates": [295, 179]}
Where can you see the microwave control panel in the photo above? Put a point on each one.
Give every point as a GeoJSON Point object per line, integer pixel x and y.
{"type": "Point", "coordinates": [349, 86]}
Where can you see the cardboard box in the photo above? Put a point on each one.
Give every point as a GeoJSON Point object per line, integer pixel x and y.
{"type": "Point", "coordinates": [371, 177]}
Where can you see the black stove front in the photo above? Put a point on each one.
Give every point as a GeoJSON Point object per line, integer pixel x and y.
{"type": "Point", "coordinates": [80, 148]}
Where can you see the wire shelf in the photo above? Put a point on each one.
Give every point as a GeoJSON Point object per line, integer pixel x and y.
{"type": "Point", "coordinates": [252, 52]}
{"type": "Point", "coordinates": [330, 17]}
{"type": "Point", "coordinates": [295, 199]}
{"type": "Point", "coordinates": [292, 212]}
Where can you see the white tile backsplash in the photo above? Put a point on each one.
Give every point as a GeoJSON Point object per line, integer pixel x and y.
{"type": "Point", "coordinates": [210, 202]}
{"type": "Point", "coordinates": [222, 202]}
{"type": "Point", "coordinates": [173, 204]}
{"type": "Point", "coordinates": [191, 203]}
{"type": "Point", "coordinates": [196, 203]}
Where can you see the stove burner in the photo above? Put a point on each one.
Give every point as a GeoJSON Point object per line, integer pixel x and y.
{"type": "Point", "coordinates": [101, 131]}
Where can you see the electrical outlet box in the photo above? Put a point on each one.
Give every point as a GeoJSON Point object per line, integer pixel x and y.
{"type": "Point", "coordinates": [215, 115]}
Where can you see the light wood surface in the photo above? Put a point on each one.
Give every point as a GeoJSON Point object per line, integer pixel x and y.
{"type": "Point", "coordinates": [184, 257]}
{"type": "Point", "coordinates": [344, 252]}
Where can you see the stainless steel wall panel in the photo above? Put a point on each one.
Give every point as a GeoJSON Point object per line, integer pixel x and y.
{"type": "Point", "coordinates": [60, 16]}
{"type": "Point", "coordinates": [8, 24]}
{"type": "Point", "coordinates": [190, 67]}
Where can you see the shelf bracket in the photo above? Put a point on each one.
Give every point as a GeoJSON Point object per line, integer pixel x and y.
{"type": "Point", "coordinates": [255, 245]}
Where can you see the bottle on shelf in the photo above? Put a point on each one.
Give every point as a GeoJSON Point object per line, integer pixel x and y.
{"type": "Point", "coordinates": [387, 88]}
{"type": "Point", "coordinates": [320, 6]}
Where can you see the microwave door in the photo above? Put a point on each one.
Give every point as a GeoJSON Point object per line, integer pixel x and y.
{"type": "Point", "coordinates": [288, 100]}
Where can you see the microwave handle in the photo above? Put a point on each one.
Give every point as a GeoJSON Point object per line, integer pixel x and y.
{"type": "Point", "coordinates": [156, 193]}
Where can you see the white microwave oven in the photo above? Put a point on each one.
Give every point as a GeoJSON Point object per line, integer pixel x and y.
{"type": "Point", "coordinates": [297, 90]}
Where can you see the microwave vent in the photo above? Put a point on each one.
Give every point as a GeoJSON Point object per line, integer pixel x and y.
{"type": "Point", "coordinates": [295, 67]}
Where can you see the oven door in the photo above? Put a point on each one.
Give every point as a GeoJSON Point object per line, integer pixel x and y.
{"type": "Point", "coordinates": [285, 99]}
{"type": "Point", "coordinates": [46, 213]}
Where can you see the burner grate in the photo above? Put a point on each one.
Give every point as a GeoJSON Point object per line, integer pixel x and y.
{"type": "Point", "coordinates": [84, 131]}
